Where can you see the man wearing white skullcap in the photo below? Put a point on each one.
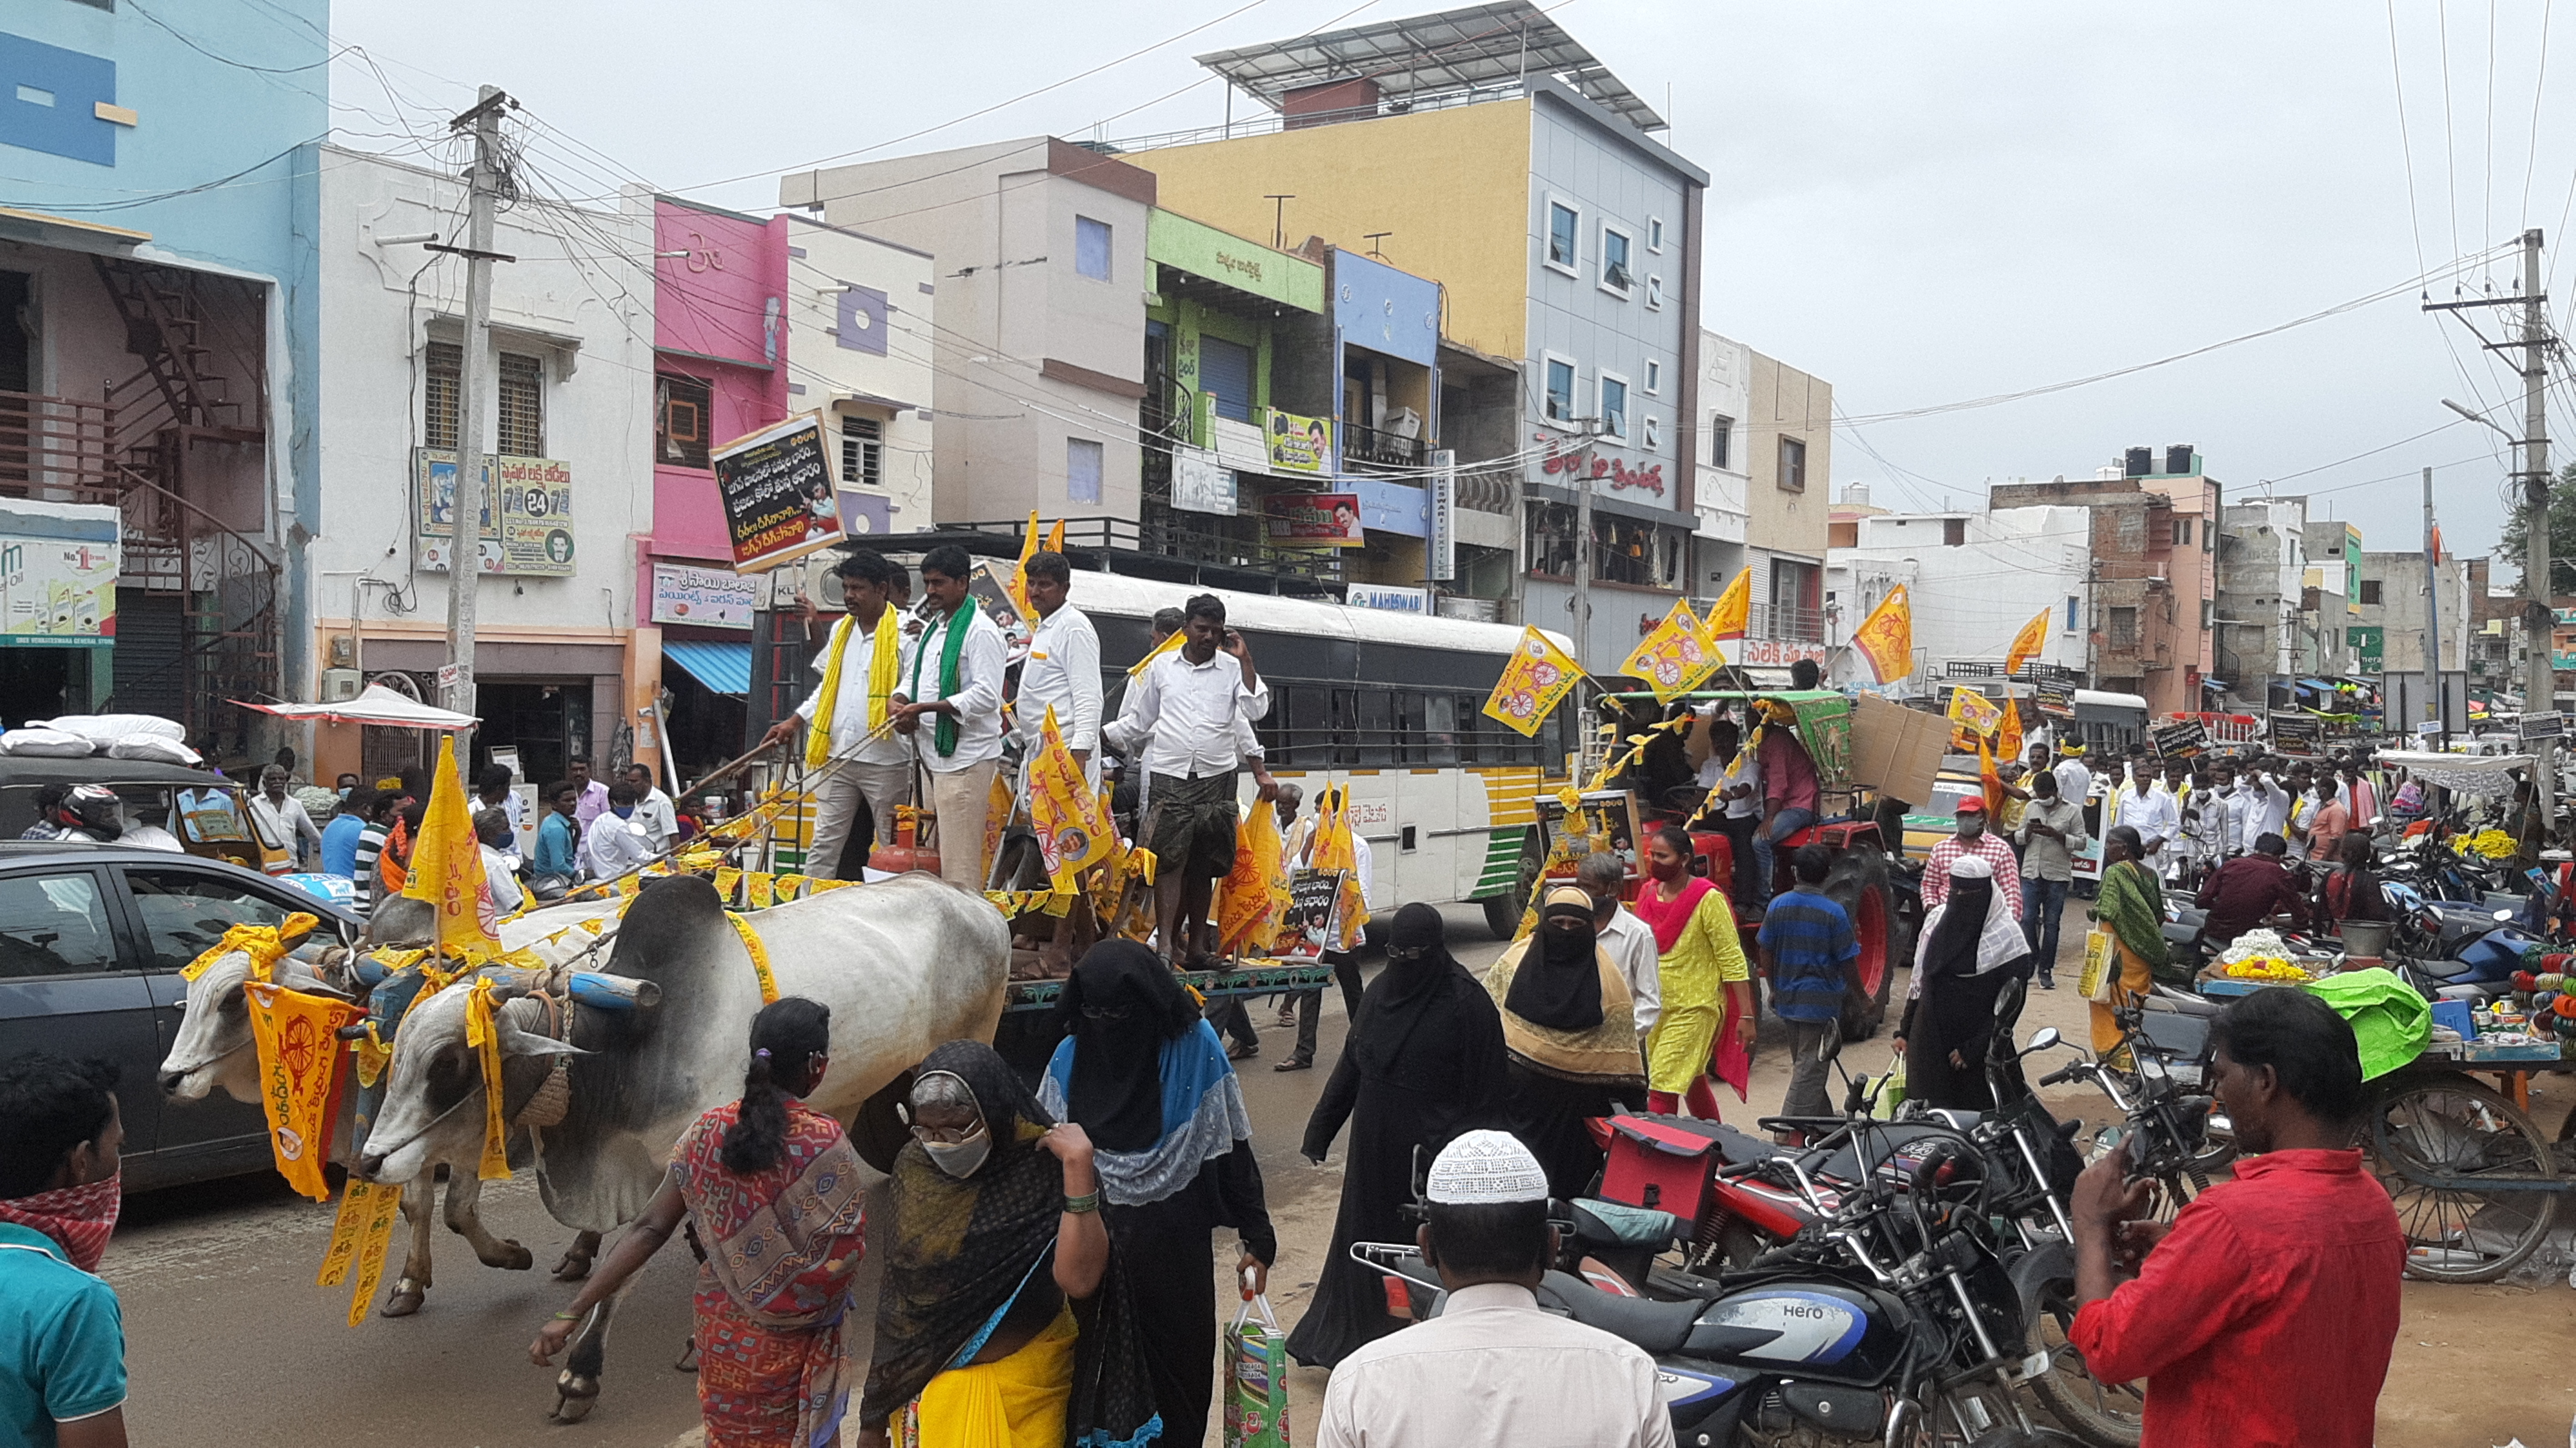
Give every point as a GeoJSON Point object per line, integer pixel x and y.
{"type": "Point", "coordinates": [1493, 1367]}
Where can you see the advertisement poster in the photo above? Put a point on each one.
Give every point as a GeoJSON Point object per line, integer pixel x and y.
{"type": "Point", "coordinates": [531, 496]}
{"type": "Point", "coordinates": [1314, 902]}
{"type": "Point", "coordinates": [1314, 520]}
{"type": "Point", "coordinates": [58, 564]}
{"type": "Point", "coordinates": [1200, 483]}
{"type": "Point", "coordinates": [777, 486]}
{"type": "Point", "coordinates": [708, 597]}
{"type": "Point", "coordinates": [1299, 444]}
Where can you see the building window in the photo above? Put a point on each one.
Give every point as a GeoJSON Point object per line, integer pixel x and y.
{"type": "Point", "coordinates": [442, 378]}
{"type": "Point", "coordinates": [1564, 224]}
{"type": "Point", "coordinates": [1654, 294]}
{"type": "Point", "coordinates": [1654, 434]}
{"type": "Point", "coordinates": [520, 426]}
{"type": "Point", "coordinates": [1560, 390]}
{"type": "Point", "coordinates": [862, 452]}
{"type": "Point", "coordinates": [1654, 378]}
{"type": "Point", "coordinates": [1091, 248]}
{"type": "Point", "coordinates": [1082, 459]}
{"type": "Point", "coordinates": [1654, 233]}
{"type": "Point", "coordinates": [1793, 465]}
{"type": "Point", "coordinates": [1615, 274]}
{"type": "Point", "coordinates": [2124, 627]}
{"type": "Point", "coordinates": [2074, 613]}
{"type": "Point", "coordinates": [1721, 438]}
{"type": "Point", "coordinates": [2370, 592]}
{"type": "Point", "coordinates": [1614, 406]}
{"type": "Point", "coordinates": [1954, 532]}
{"type": "Point", "coordinates": [2208, 612]}
{"type": "Point", "coordinates": [680, 410]}
{"type": "Point", "coordinates": [2182, 532]}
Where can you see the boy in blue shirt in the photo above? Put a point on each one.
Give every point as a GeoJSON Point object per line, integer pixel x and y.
{"type": "Point", "coordinates": [1807, 943]}
{"type": "Point", "coordinates": [62, 1341]}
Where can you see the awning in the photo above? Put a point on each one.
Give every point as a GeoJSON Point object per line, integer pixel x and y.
{"type": "Point", "coordinates": [723, 668]}
{"type": "Point", "coordinates": [376, 704]}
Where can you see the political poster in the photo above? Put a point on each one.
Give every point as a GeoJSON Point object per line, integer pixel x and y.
{"type": "Point", "coordinates": [1314, 908]}
{"type": "Point", "coordinates": [778, 487]}
{"type": "Point", "coordinates": [1298, 444]}
{"type": "Point", "coordinates": [2180, 739]}
{"type": "Point", "coordinates": [1314, 520]}
{"type": "Point", "coordinates": [2298, 733]}
{"type": "Point", "coordinates": [526, 517]}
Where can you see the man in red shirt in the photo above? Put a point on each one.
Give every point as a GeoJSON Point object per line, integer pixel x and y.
{"type": "Point", "coordinates": [2247, 891]}
{"type": "Point", "coordinates": [2234, 1300]}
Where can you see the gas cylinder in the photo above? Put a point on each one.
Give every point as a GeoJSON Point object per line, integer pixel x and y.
{"type": "Point", "coordinates": [906, 853]}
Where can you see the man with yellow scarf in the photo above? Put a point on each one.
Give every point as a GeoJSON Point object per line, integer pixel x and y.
{"type": "Point", "coordinates": [850, 715]}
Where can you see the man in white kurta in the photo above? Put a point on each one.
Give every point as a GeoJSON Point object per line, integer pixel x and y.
{"type": "Point", "coordinates": [861, 760]}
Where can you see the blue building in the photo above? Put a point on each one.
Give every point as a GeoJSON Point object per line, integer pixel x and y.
{"type": "Point", "coordinates": [158, 338]}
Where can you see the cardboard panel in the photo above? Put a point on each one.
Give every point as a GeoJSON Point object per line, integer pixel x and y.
{"type": "Point", "coordinates": [1896, 751]}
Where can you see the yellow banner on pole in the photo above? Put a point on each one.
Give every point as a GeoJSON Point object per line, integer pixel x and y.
{"type": "Point", "coordinates": [1974, 712]}
{"type": "Point", "coordinates": [447, 865]}
{"type": "Point", "coordinates": [1020, 571]}
{"type": "Point", "coordinates": [299, 1064]}
{"type": "Point", "coordinates": [1336, 848]}
{"type": "Point", "coordinates": [2026, 644]}
{"type": "Point", "coordinates": [1734, 608]}
{"type": "Point", "coordinates": [1886, 637]}
{"type": "Point", "coordinates": [1074, 829]}
{"type": "Point", "coordinates": [1675, 656]}
{"type": "Point", "coordinates": [1537, 679]}
{"type": "Point", "coordinates": [1254, 897]}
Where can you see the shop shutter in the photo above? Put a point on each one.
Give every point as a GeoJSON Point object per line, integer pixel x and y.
{"type": "Point", "coordinates": [1225, 370]}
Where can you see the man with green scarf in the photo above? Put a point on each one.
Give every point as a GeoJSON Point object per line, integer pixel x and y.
{"type": "Point", "coordinates": [950, 703]}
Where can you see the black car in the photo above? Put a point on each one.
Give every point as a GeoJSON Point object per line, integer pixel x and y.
{"type": "Point", "coordinates": [92, 939]}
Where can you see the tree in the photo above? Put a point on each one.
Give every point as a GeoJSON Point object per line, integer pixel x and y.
{"type": "Point", "coordinates": [2562, 535]}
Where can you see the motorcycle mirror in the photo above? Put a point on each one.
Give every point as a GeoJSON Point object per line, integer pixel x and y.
{"type": "Point", "coordinates": [1832, 1046]}
{"type": "Point", "coordinates": [2043, 1038]}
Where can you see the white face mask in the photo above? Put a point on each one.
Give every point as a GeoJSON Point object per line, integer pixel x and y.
{"type": "Point", "coordinates": [961, 1158]}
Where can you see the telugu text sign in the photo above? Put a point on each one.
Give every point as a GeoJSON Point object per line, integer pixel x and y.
{"type": "Point", "coordinates": [708, 597]}
{"type": "Point", "coordinates": [526, 513]}
{"type": "Point", "coordinates": [778, 488]}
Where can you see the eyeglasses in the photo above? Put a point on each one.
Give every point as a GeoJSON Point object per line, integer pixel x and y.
{"type": "Point", "coordinates": [1407, 952]}
{"type": "Point", "coordinates": [1107, 1013]}
{"type": "Point", "coordinates": [948, 1135]}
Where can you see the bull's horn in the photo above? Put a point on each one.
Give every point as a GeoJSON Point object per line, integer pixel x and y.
{"type": "Point", "coordinates": [517, 1040]}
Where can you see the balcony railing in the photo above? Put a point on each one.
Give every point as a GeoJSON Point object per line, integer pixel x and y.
{"type": "Point", "coordinates": [57, 447]}
{"type": "Point", "coordinates": [1787, 623]}
{"type": "Point", "coordinates": [1375, 447]}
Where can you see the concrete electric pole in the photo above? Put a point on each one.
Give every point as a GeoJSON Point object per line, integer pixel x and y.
{"type": "Point", "coordinates": [465, 548]}
{"type": "Point", "coordinates": [2539, 690]}
{"type": "Point", "coordinates": [2432, 612]}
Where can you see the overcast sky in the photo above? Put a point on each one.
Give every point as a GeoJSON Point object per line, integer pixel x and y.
{"type": "Point", "coordinates": [1924, 204]}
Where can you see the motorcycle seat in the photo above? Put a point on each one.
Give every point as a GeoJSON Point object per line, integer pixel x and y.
{"type": "Point", "coordinates": [2447, 970]}
{"type": "Point", "coordinates": [1658, 1327]}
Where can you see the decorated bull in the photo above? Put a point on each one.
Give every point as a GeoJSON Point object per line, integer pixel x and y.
{"type": "Point", "coordinates": [214, 1050]}
{"type": "Point", "coordinates": [904, 965]}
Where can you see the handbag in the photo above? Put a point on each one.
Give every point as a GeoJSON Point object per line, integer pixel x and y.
{"type": "Point", "coordinates": [1256, 1389]}
{"type": "Point", "coordinates": [2100, 980]}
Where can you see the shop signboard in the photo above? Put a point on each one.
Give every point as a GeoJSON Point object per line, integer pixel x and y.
{"type": "Point", "coordinates": [2543, 726]}
{"type": "Point", "coordinates": [526, 517]}
{"type": "Point", "coordinates": [707, 597]}
{"type": "Point", "coordinates": [778, 489]}
{"type": "Point", "coordinates": [1201, 483]}
{"type": "Point", "coordinates": [58, 564]}
{"type": "Point", "coordinates": [1388, 597]}
{"type": "Point", "coordinates": [2369, 643]}
{"type": "Point", "coordinates": [1441, 547]}
{"type": "Point", "coordinates": [1770, 653]}
{"type": "Point", "coordinates": [1299, 444]}
{"type": "Point", "coordinates": [1314, 520]}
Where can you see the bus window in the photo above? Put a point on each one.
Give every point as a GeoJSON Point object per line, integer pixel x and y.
{"type": "Point", "coordinates": [1375, 717]}
{"type": "Point", "coordinates": [1438, 730]}
{"type": "Point", "coordinates": [1309, 735]}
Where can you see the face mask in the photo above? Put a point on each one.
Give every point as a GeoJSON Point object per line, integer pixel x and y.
{"type": "Point", "coordinates": [626, 813]}
{"type": "Point", "coordinates": [960, 1158]}
{"type": "Point", "coordinates": [78, 1219]}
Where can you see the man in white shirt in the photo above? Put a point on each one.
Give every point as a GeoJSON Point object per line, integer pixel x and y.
{"type": "Point", "coordinates": [655, 815]}
{"type": "Point", "coordinates": [865, 762]}
{"type": "Point", "coordinates": [1194, 705]}
{"type": "Point", "coordinates": [1630, 941]}
{"type": "Point", "coordinates": [500, 863]}
{"type": "Point", "coordinates": [2143, 804]}
{"type": "Point", "coordinates": [950, 704]}
{"type": "Point", "coordinates": [1493, 1367]}
{"type": "Point", "coordinates": [613, 845]}
{"type": "Point", "coordinates": [2267, 805]}
{"type": "Point", "coordinates": [1063, 670]}
{"type": "Point", "coordinates": [1734, 774]}
{"type": "Point", "coordinates": [284, 817]}
{"type": "Point", "coordinates": [2074, 781]}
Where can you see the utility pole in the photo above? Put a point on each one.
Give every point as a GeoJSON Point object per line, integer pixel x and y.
{"type": "Point", "coordinates": [2432, 612]}
{"type": "Point", "coordinates": [1582, 600]}
{"type": "Point", "coordinates": [2539, 690]}
{"type": "Point", "coordinates": [465, 550]}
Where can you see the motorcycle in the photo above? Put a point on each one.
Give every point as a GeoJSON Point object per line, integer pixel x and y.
{"type": "Point", "coordinates": [1891, 1317]}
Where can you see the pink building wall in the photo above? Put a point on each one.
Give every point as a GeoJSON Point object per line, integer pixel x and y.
{"type": "Point", "coordinates": [719, 315]}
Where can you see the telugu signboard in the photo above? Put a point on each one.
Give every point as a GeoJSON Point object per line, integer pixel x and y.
{"type": "Point", "coordinates": [526, 517]}
{"type": "Point", "coordinates": [2180, 739]}
{"type": "Point", "coordinates": [777, 486]}
{"type": "Point", "coordinates": [1441, 547]}
{"type": "Point", "coordinates": [2543, 726]}
{"type": "Point", "coordinates": [1314, 520]}
{"type": "Point", "coordinates": [1299, 444]}
{"type": "Point", "coordinates": [2298, 733]}
{"type": "Point", "coordinates": [58, 564]}
{"type": "Point", "coordinates": [1201, 483]}
{"type": "Point", "coordinates": [708, 597]}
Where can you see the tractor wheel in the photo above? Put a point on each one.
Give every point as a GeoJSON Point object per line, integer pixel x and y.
{"type": "Point", "coordinates": [1858, 883]}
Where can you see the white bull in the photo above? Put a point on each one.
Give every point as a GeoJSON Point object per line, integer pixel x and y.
{"type": "Point", "coordinates": [903, 965]}
{"type": "Point", "coordinates": [214, 1051]}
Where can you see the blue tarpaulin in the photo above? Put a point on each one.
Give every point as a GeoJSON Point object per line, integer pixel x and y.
{"type": "Point", "coordinates": [724, 668]}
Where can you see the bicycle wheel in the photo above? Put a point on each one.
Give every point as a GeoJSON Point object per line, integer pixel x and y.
{"type": "Point", "coordinates": [2455, 1131]}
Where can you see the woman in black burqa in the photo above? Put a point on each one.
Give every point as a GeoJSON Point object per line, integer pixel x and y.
{"type": "Point", "coordinates": [1423, 1063]}
{"type": "Point", "coordinates": [1971, 950]}
{"type": "Point", "coordinates": [1143, 1073]}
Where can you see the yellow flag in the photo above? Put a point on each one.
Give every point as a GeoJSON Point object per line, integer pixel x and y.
{"type": "Point", "coordinates": [447, 865]}
{"type": "Point", "coordinates": [1974, 712]}
{"type": "Point", "coordinates": [2026, 644]}
{"type": "Point", "coordinates": [1171, 641]}
{"type": "Point", "coordinates": [299, 1066]}
{"type": "Point", "coordinates": [1675, 656]}
{"type": "Point", "coordinates": [999, 804]}
{"type": "Point", "coordinates": [1055, 537]}
{"type": "Point", "coordinates": [1537, 679]}
{"type": "Point", "coordinates": [1019, 575]}
{"type": "Point", "coordinates": [1886, 637]}
{"type": "Point", "coordinates": [2008, 738]}
{"type": "Point", "coordinates": [1074, 830]}
{"type": "Point", "coordinates": [360, 1233]}
{"type": "Point", "coordinates": [1336, 848]}
{"type": "Point", "coordinates": [1255, 894]}
{"type": "Point", "coordinates": [1726, 619]}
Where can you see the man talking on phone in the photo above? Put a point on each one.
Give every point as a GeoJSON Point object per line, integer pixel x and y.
{"type": "Point", "coordinates": [2230, 1300]}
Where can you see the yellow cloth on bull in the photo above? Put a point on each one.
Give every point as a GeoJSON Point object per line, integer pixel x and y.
{"type": "Point", "coordinates": [885, 662]}
{"type": "Point", "coordinates": [299, 1063]}
{"type": "Point", "coordinates": [1018, 1402]}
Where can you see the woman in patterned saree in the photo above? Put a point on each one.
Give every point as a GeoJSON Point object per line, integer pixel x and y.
{"type": "Point", "coordinates": [774, 1191]}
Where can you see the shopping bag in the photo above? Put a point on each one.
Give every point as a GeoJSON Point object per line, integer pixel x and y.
{"type": "Point", "coordinates": [1891, 1090]}
{"type": "Point", "coordinates": [2100, 982]}
{"type": "Point", "coordinates": [1256, 1395]}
